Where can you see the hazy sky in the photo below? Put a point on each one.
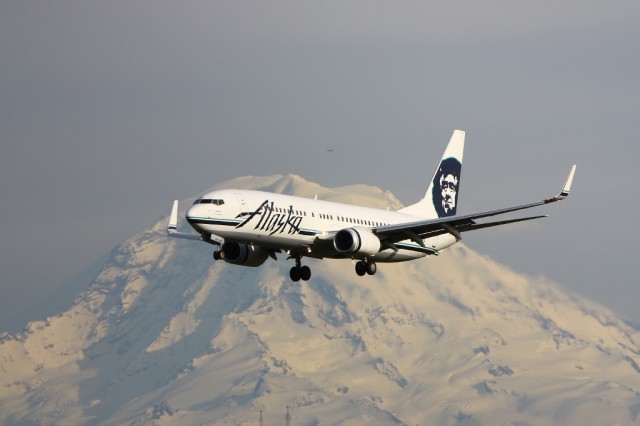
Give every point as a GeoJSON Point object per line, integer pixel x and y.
{"type": "Point", "coordinates": [110, 110]}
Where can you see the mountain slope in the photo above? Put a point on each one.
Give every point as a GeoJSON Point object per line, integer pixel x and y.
{"type": "Point", "coordinates": [165, 336]}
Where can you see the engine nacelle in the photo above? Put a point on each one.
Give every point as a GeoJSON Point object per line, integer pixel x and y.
{"type": "Point", "coordinates": [356, 241]}
{"type": "Point", "coordinates": [243, 254]}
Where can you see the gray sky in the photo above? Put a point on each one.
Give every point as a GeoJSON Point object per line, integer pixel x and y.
{"type": "Point", "coordinates": [110, 110]}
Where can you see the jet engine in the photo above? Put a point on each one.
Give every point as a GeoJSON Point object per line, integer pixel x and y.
{"type": "Point", "coordinates": [356, 241]}
{"type": "Point", "coordinates": [243, 254]}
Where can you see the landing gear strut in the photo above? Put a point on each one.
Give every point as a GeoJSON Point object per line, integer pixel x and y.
{"type": "Point", "coordinates": [366, 267]}
{"type": "Point", "coordinates": [299, 272]}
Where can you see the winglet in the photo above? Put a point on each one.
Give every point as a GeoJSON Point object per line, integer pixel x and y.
{"type": "Point", "coordinates": [565, 189]}
{"type": "Point", "coordinates": [173, 219]}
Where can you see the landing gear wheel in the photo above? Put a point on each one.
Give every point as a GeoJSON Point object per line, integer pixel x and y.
{"type": "Point", "coordinates": [361, 269]}
{"type": "Point", "coordinates": [216, 255]}
{"type": "Point", "coordinates": [299, 272]}
{"type": "Point", "coordinates": [371, 268]}
{"type": "Point", "coordinates": [294, 274]}
{"type": "Point", "coordinates": [305, 273]}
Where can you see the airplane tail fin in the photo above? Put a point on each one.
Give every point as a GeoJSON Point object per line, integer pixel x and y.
{"type": "Point", "coordinates": [441, 198]}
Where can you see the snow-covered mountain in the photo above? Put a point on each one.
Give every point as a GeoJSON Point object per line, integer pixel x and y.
{"type": "Point", "coordinates": [165, 336]}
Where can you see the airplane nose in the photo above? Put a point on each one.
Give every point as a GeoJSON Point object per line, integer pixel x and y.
{"type": "Point", "coordinates": [197, 211]}
{"type": "Point", "coordinates": [191, 213]}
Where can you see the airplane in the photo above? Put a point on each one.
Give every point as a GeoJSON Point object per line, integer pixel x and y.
{"type": "Point", "coordinates": [250, 226]}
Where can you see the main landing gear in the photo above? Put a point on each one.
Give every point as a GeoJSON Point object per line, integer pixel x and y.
{"type": "Point", "coordinates": [366, 267]}
{"type": "Point", "coordinates": [299, 272]}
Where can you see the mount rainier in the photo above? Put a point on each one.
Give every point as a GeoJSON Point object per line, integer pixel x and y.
{"type": "Point", "coordinates": [163, 335]}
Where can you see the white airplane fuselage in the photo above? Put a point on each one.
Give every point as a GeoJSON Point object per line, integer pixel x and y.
{"type": "Point", "coordinates": [293, 223]}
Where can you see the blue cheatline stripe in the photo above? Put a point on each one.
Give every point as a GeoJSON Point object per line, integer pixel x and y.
{"type": "Point", "coordinates": [224, 222]}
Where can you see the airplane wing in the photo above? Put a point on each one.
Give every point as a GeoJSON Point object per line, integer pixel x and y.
{"type": "Point", "coordinates": [454, 225]}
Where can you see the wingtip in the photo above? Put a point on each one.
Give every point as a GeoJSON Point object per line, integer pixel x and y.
{"type": "Point", "coordinates": [567, 185]}
{"type": "Point", "coordinates": [173, 218]}
{"type": "Point", "coordinates": [566, 188]}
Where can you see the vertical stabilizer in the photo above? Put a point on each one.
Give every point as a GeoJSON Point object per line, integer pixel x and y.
{"type": "Point", "coordinates": [441, 198]}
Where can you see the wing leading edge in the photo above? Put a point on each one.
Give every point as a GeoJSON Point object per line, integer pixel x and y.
{"type": "Point", "coordinates": [455, 225]}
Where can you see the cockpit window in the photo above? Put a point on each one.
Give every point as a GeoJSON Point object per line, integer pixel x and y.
{"type": "Point", "coordinates": [217, 202]}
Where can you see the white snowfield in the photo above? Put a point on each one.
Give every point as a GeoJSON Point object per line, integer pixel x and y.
{"type": "Point", "coordinates": [165, 336]}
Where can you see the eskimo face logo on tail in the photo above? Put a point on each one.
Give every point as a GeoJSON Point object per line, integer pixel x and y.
{"type": "Point", "coordinates": [272, 219]}
{"type": "Point", "coordinates": [446, 184]}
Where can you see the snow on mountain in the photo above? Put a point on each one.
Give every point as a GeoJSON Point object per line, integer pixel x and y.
{"type": "Point", "coordinates": [166, 336]}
